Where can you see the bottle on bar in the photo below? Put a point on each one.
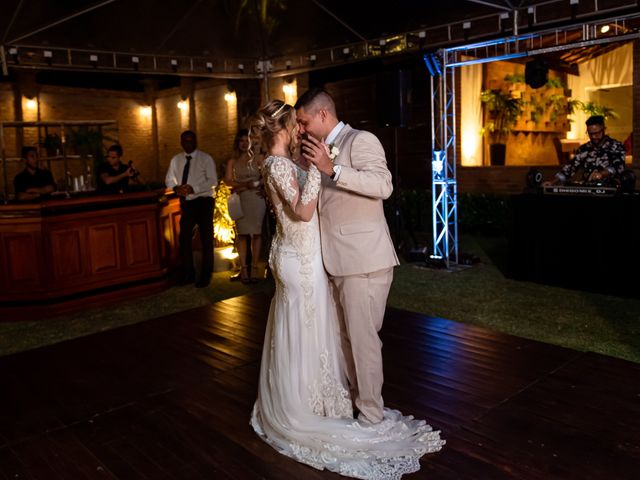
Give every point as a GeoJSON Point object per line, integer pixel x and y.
{"type": "Point", "coordinates": [89, 179]}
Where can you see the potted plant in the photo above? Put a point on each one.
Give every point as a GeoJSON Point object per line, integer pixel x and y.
{"type": "Point", "coordinates": [593, 108]}
{"type": "Point", "coordinates": [86, 142]}
{"type": "Point", "coordinates": [503, 111]}
{"type": "Point", "coordinates": [89, 142]}
{"type": "Point", "coordinates": [52, 143]}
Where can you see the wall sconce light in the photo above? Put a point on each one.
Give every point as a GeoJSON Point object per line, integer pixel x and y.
{"type": "Point", "coordinates": [174, 64]}
{"type": "Point", "coordinates": [241, 67]}
{"type": "Point", "coordinates": [93, 60]}
{"type": "Point", "coordinates": [31, 103]}
{"type": "Point", "coordinates": [136, 62]}
{"type": "Point", "coordinates": [183, 105]}
{"type": "Point", "coordinates": [605, 28]}
{"type": "Point", "coordinates": [48, 56]}
{"type": "Point", "coordinates": [14, 55]}
{"type": "Point", "coordinates": [230, 96]}
{"type": "Point", "coordinates": [29, 107]}
{"type": "Point", "coordinates": [466, 26]}
{"type": "Point", "coordinates": [145, 111]}
{"type": "Point", "coordinates": [346, 52]}
{"type": "Point", "coordinates": [209, 67]}
{"type": "Point", "coordinates": [383, 45]}
{"type": "Point", "coordinates": [312, 59]}
{"type": "Point", "coordinates": [288, 88]}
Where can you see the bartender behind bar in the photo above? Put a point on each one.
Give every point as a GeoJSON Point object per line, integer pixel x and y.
{"type": "Point", "coordinates": [113, 176]}
{"type": "Point", "coordinates": [33, 182]}
{"type": "Point", "coordinates": [601, 158]}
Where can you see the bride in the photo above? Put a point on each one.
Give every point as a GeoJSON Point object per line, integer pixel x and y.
{"type": "Point", "coordinates": [303, 409]}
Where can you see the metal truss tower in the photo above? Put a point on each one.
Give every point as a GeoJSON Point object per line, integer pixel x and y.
{"type": "Point", "coordinates": [442, 66]}
{"type": "Point", "coordinates": [443, 161]}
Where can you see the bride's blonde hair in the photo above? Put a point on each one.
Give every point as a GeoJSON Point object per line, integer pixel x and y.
{"type": "Point", "coordinates": [265, 125]}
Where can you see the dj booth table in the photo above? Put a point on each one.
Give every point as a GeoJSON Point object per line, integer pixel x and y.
{"type": "Point", "coordinates": [581, 242]}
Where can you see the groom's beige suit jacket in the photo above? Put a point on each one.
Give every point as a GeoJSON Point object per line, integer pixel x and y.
{"type": "Point", "coordinates": [353, 230]}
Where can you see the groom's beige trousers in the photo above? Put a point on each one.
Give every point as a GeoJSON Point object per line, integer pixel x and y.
{"type": "Point", "coordinates": [362, 300]}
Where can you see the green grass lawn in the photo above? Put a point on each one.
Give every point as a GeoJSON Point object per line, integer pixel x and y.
{"type": "Point", "coordinates": [479, 295]}
{"type": "Point", "coordinates": [482, 296]}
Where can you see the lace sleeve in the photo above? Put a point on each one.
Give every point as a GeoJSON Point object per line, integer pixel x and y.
{"type": "Point", "coordinates": [282, 175]}
{"type": "Point", "coordinates": [283, 179]}
{"type": "Point", "coordinates": [311, 187]}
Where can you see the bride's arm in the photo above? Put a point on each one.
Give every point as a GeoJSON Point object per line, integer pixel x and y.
{"type": "Point", "coordinates": [284, 180]}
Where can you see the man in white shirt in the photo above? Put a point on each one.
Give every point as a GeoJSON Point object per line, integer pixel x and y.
{"type": "Point", "coordinates": [192, 176]}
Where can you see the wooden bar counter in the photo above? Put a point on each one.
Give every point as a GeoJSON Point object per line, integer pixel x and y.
{"type": "Point", "coordinates": [61, 247]}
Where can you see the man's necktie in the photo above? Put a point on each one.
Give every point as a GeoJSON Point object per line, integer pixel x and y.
{"type": "Point", "coordinates": [185, 172]}
{"type": "Point", "coordinates": [185, 176]}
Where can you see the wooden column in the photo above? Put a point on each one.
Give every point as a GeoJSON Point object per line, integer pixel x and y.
{"type": "Point", "coordinates": [17, 114]}
{"type": "Point", "coordinates": [187, 90]}
{"type": "Point", "coordinates": [150, 90]}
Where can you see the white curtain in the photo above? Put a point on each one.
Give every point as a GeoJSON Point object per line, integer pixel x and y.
{"type": "Point", "coordinates": [613, 69]}
{"type": "Point", "coordinates": [471, 115]}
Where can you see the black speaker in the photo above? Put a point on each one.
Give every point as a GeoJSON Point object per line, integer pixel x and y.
{"type": "Point", "coordinates": [628, 181]}
{"type": "Point", "coordinates": [534, 178]}
{"type": "Point", "coordinates": [536, 73]}
{"type": "Point", "coordinates": [393, 98]}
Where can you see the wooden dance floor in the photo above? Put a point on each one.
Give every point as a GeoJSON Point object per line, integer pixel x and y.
{"type": "Point", "coordinates": [170, 399]}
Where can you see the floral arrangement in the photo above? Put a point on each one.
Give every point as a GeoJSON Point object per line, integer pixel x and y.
{"type": "Point", "coordinates": [333, 152]}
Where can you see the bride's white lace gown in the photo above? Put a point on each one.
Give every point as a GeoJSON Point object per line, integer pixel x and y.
{"type": "Point", "coordinates": [303, 409]}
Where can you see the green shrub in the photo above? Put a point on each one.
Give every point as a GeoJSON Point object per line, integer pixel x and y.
{"type": "Point", "coordinates": [477, 213]}
{"type": "Point", "coordinates": [482, 213]}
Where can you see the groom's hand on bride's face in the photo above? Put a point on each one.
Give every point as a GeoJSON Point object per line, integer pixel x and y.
{"type": "Point", "coordinates": [317, 153]}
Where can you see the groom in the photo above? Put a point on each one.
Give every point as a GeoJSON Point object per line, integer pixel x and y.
{"type": "Point", "coordinates": [357, 249]}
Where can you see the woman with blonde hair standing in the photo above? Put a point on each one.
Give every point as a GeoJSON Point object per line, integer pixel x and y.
{"type": "Point", "coordinates": [242, 174]}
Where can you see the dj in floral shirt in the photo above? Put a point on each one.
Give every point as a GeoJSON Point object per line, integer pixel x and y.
{"type": "Point", "coordinates": [601, 159]}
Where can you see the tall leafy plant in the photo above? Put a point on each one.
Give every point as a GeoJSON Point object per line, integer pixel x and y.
{"type": "Point", "coordinates": [592, 108]}
{"type": "Point", "coordinates": [504, 111]}
{"type": "Point", "coordinates": [89, 141]}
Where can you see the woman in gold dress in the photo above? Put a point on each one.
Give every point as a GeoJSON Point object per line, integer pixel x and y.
{"type": "Point", "coordinates": [242, 174]}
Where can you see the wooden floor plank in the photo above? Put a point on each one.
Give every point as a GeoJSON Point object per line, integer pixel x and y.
{"type": "Point", "coordinates": [171, 398]}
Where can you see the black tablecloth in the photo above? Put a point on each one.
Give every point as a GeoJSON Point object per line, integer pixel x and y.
{"type": "Point", "coordinates": [581, 242]}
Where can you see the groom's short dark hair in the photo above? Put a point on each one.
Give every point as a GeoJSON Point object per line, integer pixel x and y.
{"type": "Point", "coordinates": [316, 98]}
